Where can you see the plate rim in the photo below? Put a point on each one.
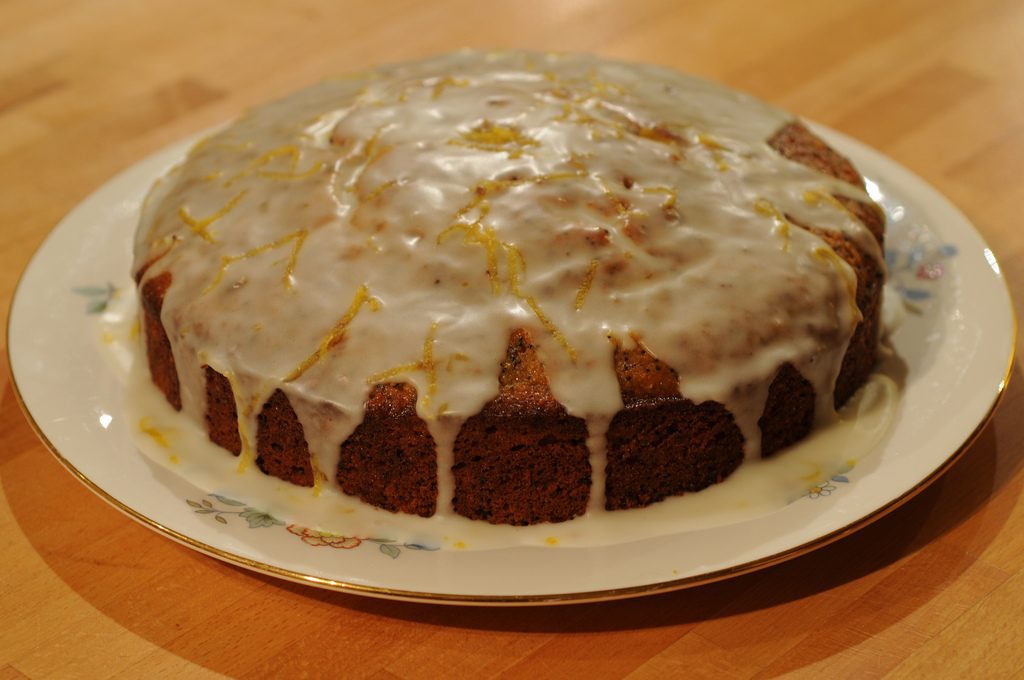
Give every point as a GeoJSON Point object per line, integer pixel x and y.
{"type": "Point", "coordinates": [487, 600]}
{"type": "Point", "coordinates": [659, 586]}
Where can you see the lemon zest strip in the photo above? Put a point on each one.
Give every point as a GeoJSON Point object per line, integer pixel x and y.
{"type": "Point", "coordinates": [201, 227]}
{"type": "Point", "coordinates": [585, 286]}
{"type": "Point", "coordinates": [427, 364]}
{"type": "Point", "coordinates": [158, 435]}
{"type": "Point", "coordinates": [516, 267]}
{"type": "Point", "coordinates": [765, 207]}
{"type": "Point", "coordinates": [337, 334]}
{"type": "Point", "coordinates": [298, 236]}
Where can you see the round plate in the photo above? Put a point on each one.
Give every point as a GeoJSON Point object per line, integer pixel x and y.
{"type": "Point", "coordinates": [957, 342]}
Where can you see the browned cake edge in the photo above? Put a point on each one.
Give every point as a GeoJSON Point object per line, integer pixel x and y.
{"type": "Point", "coordinates": [661, 444]}
{"type": "Point", "coordinates": [390, 460]}
{"type": "Point", "coordinates": [797, 143]}
{"type": "Point", "coordinates": [522, 459]}
{"type": "Point", "coordinates": [221, 412]}
{"type": "Point", "coordinates": [162, 368]}
{"type": "Point", "coordinates": [281, 449]}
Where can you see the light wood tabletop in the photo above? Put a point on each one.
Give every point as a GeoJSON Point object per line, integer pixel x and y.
{"type": "Point", "coordinates": [935, 588]}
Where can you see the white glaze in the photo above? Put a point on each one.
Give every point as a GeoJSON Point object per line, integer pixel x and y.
{"type": "Point", "coordinates": [430, 208]}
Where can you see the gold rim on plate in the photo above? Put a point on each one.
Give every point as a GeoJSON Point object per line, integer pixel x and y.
{"type": "Point", "coordinates": [534, 599]}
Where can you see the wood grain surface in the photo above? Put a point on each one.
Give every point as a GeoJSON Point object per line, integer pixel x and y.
{"type": "Point", "coordinates": [935, 589]}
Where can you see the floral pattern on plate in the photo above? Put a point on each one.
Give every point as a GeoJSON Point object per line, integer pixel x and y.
{"type": "Point", "coordinates": [312, 537]}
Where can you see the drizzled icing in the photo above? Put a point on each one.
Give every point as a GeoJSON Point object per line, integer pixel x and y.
{"type": "Point", "coordinates": [399, 224]}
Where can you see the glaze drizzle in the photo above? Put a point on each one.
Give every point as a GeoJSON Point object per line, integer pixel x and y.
{"type": "Point", "coordinates": [415, 215]}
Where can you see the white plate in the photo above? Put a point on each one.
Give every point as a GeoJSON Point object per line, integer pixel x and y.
{"type": "Point", "coordinates": [957, 342]}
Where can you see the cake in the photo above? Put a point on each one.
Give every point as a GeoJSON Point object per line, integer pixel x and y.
{"type": "Point", "coordinates": [516, 287]}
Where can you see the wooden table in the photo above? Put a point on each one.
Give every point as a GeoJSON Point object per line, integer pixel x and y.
{"type": "Point", "coordinates": [937, 587]}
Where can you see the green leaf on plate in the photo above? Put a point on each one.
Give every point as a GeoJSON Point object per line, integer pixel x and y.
{"type": "Point", "coordinates": [227, 501]}
{"type": "Point", "coordinates": [258, 519]}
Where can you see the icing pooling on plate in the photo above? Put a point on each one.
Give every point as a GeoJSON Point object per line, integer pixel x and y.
{"type": "Point", "coordinates": [396, 226]}
{"type": "Point", "coordinates": [757, 488]}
